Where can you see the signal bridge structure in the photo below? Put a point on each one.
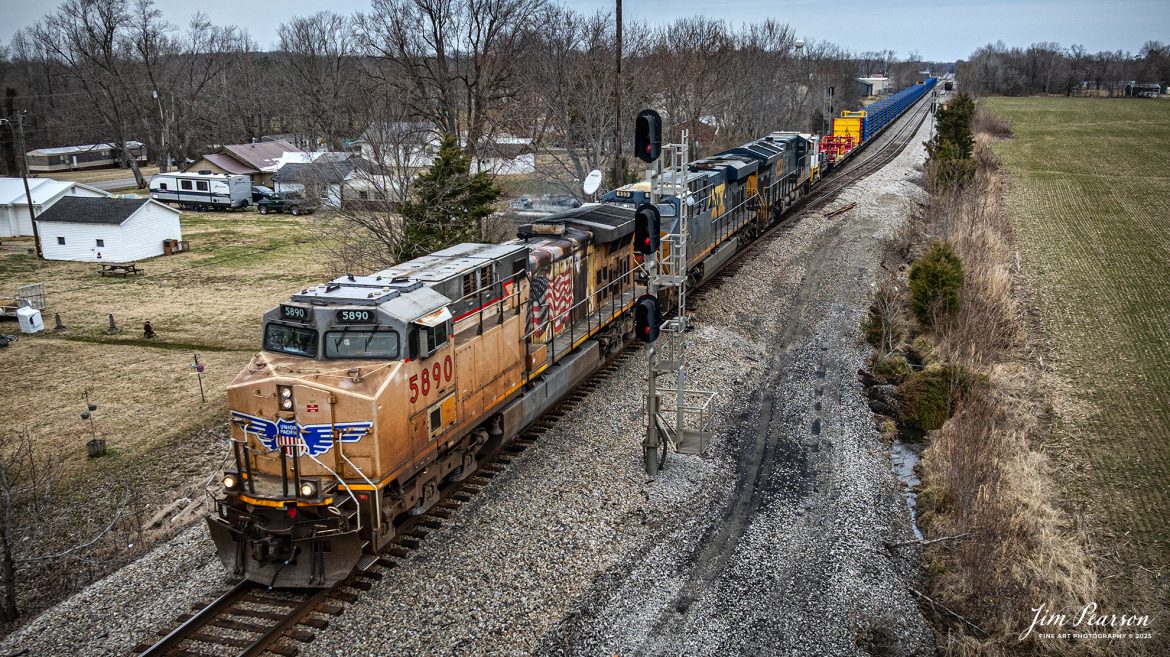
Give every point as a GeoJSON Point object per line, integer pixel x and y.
{"type": "Point", "coordinates": [676, 416]}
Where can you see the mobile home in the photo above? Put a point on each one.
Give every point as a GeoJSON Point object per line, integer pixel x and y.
{"type": "Point", "coordinates": [86, 156]}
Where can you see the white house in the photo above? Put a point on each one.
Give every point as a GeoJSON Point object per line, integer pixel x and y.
{"type": "Point", "coordinates": [506, 155]}
{"type": "Point", "coordinates": [14, 217]}
{"type": "Point", "coordinates": [320, 180]}
{"type": "Point", "coordinates": [107, 229]}
{"type": "Point", "coordinates": [406, 146]}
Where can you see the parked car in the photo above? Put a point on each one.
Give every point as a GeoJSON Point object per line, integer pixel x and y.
{"type": "Point", "coordinates": [260, 192]}
{"type": "Point", "coordinates": [284, 202]}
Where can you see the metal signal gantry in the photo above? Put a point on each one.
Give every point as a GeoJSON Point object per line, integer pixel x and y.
{"type": "Point", "coordinates": [666, 268]}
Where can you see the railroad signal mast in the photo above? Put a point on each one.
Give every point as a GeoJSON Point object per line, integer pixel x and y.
{"type": "Point", "coordinates": [666, 270]}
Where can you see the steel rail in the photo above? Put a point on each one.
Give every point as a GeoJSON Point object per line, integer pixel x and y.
{"type": "Point", "coordinates": [200, 619]}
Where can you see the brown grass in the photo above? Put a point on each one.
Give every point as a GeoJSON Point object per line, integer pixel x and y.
{"type": "Point", "coordinates": [98, 175]}
{"type": "Point", "coordinates": [992, 125]}
{"type": "Point", "coordinates": [984, 475]}
{"type": "Point", "coordinates": [987, 326]}
{"type": "Point", "coordinates": [984, 478]}
{"type": "Point", "coordinates": [209, 300]}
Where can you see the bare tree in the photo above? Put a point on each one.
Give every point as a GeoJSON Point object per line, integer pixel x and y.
{"type": "Point", "coordinates": [91, 38]}
{"type": "Point", "coordinates": [453, 60]}
{"type": "Point", "coordinates": [317, 69]}
{"type": "Point", "coordinates": [28, 477]}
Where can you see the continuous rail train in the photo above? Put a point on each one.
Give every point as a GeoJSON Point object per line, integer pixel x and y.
{"type": "Point", "coordinates": [370, 393]}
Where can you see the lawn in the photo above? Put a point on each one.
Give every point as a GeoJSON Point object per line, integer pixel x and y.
{"type": "Point", "coordinates": [1090, 201]}
{"type": "Point", "coordinates": [207, 301]}
{"type": "Point", "coordinates": [98, 175]}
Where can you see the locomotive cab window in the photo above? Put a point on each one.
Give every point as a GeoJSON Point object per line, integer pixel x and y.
{"type": "Point", "coordinates": [426, 340]}
{"type": "Point", "coordinates": [361, 344]}
{"type": "Point", "coordinates": [293, 340]}
{"type": "Point", "coordinates": [434, 338]}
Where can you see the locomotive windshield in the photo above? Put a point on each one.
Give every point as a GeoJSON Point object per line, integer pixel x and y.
{"type": "Point", "coordinates": [361, 344]}
{"type": "Point", "coordinates": [293, 340]}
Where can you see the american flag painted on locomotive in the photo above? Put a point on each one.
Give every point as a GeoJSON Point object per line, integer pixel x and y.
{"type": "Point", "coordinates": [561, 293]}
{"type": "Point", "coordinates": [539, 304]}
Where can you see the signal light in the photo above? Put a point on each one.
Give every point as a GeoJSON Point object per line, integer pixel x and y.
{"type": "Point", "coordinates": [647, 318]}
{"type": "Point", "coordinates": [648, 136]}
{"type": "Point", "coordinates": [647, 227]}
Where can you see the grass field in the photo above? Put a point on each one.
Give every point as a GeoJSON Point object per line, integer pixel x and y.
{"type": "Point", "coordinates": [1090, 202]}
{"type": "Point", "coordinates": [99, 175]}
{"type": "Point", "coordinates": [208, 300]}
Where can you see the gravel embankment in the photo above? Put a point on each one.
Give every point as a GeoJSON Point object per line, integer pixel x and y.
{"type": "Point", "coordinates": [113, 615]}
{"type": "Point", "coordinates": [772, 544]}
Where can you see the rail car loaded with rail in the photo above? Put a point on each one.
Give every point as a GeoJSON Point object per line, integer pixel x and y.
{"type": "Point", "coordinates": [370, 393]}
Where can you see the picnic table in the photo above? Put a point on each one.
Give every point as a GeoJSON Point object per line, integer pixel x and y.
{"type": "Point", "coordinates": [119, 269]}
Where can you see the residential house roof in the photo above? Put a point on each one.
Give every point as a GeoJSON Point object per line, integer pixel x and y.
{"type": "Point", "coordinates": [381, 132]}
{"type": "Point", "coordinates": [230, 164]}
{"type": "Point", "coordinates": [82, 210]}
{"type": "Point", "coordinates": [83, 148]}
{"type": "Point", "coordinates": [42, 190]}
{"type": "Point", "coordinates": [315, 172]}
{"type": "Point", "coordinates": [248, 159]}
{"type": "Point", "coordinates": [262, 156]}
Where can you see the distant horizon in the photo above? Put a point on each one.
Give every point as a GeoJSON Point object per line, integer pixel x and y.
{"type": "Point", "coordinates": [947, 31]}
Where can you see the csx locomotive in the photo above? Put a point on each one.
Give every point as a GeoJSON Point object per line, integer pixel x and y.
{"type": "Point", "coordinates": [371, 392]}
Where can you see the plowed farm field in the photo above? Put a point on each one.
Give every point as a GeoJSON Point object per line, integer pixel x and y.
{"type": "Point", "coordinates": [1090, 201]}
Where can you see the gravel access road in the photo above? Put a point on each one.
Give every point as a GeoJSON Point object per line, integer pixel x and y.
{"type": "Point", "coordinates": [772, 544]}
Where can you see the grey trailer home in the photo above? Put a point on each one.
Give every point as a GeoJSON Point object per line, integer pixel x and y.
{"type": "Point", "coordinates": [203, 190]}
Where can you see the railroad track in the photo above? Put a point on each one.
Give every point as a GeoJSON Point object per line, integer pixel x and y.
{"type": "Point", "coordinates": [871, 160]}
{"type": "Point", "coordinates": [249, 619]}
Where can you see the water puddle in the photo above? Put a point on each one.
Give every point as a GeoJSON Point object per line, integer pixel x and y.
{"type": "Point", "coordinates": [904, 457]}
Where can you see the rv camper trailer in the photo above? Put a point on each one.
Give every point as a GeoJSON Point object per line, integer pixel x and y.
{"type": "Point", "coordinates": [202, 190]}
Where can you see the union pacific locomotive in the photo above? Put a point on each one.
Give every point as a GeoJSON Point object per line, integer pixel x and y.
{"type": "Point", "coordinates": [370, 393]}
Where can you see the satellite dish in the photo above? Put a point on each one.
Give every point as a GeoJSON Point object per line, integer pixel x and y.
{"type": "Point", "coordinates": [592, 181]}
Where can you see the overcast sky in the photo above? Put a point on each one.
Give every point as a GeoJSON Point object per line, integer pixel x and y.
{"type": "Point", "coordinates": [942, 30]}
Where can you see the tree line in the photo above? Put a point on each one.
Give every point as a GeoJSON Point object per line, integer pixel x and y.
{"type": "Point", "coordinates": [1049, 68]}
{"type": "Point", "coordinates": [96, 71]}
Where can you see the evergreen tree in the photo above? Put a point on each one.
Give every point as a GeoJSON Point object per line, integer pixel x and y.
{"type": "Point", "coordinates": [448, 205]}
{"type": "Point", "coordinates": [950, 151]}
{"type": "Point", "coordinates": [954, 122]}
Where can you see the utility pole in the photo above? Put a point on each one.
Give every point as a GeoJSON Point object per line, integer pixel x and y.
{"type": "Point", "coordinates": [32, 213]}
{"type": "Point", "coordinates": [617, 87]}
{"type": "Point", "coordinates": [164, 156]}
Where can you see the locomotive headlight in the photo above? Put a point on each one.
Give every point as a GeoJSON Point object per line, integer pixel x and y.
{"type": "Point", "coordinates": [308, 489]}
{"type": "Point", "coordinates": [286, 404]}
{"type": "Point", "coordinates": [230, 481]}
{"type": "Point", "coordinates": [286, 400]}
{"type": "Point", "coordinates": [286, 393]}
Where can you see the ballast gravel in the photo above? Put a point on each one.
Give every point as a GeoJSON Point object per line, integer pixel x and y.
{"type": "Point", "coordinates": [771, 544]}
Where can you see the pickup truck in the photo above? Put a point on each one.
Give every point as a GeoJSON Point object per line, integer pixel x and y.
{"type": "Point", "coordinates": [285, 202]}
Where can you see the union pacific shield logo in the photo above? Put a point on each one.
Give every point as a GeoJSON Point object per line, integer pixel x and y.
{"type": "Point", "coordinates": [303, 439]}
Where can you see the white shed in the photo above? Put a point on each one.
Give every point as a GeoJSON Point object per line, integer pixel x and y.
{"type": "Point", "coordinates": [14, 217]}
{"type": "Point", "coordinates": [107, 229]}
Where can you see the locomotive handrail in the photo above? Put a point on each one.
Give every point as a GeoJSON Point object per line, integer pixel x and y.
{"type": "Point", "coordinates": [344, 485]}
